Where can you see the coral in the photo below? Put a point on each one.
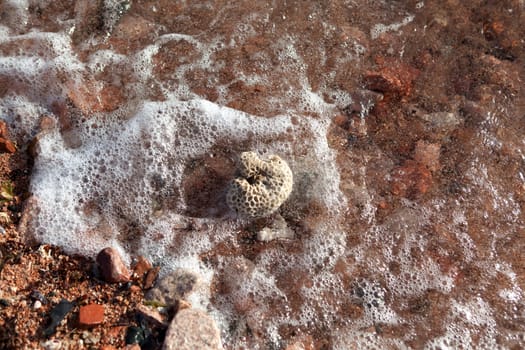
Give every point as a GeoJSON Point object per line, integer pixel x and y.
{"type": "Point", "coordinates": [262, 187]}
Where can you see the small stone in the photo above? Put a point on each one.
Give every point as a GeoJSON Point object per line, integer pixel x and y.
{"type": "Point", "coordinates": [183, 304]}
{"type": "Point", "coordinates": [173, 287]}
{"type": "Point", "coordinates": [135, 289]}
{"type": "Point", "coordinates": [112, 267]}
{"type": "Point", "coordinates": [392, 78]}
{"type": "Point", "coordinates": [90, 338]}
{"type": "Point", "coordinates": [37, 305]}
{"type": "Point", "coordinates": [91, 315]}
{"type": "Point", "coordinates": [51, 344]}
{"type": "Point", "coordinates": [152, 315]}
{"type": "Point", "coordinates": [92, 96]}
{"type": "Point", "coordinates": [427, 154]}
{"type": "Point", "coordinates": [192, 329]}
{"type": "Point", "coordinates": [3, 129]}
{"type": "Point", "coordinates": [141, 267]}
{"type": "Point", "coordinates": [340, 120]}
{"type": "Point", "coordinates": [135, 335]}
{"type": "Point", "coordinates": [6, 146]}
{"type": "Point", "coordinates": [46, 123]}
{"type": "Point", "coordinates": [411, 179]}
{"type": "Point", "coordinates": [442, 120]}
{"type": "Point", "coordinates": [278, 229]}
{"type": "Point", "coordinates": [151, 276]}
{"type": "Point", "coordinates": [36, 295]}
{"type": "Point", "coordinates": [57, 314]}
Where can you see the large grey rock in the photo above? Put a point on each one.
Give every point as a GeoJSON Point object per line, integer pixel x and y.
{"type": "Point", "coordinates": [192, 329]}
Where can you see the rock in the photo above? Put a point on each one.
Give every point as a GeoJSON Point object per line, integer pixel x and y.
{"type": "Point", "coordinates": [90, 338]}
{"type": "Point", "coordinates": [37, 305]}
{"type": "Point", "coordinates": [411, 179]}
{"type": "Point", "coordinates": [141, 267]}
{"type": "Point", "coordinates": [36, 295]}
{"type": "Point", "coordinates": [442, 120]}
{"type": "Point", "coordinates": [393, 78]}
{"type": "Point", "coordinates": [7, 146]}
{"type": "Point", "coordinates": [91, 315]}
{"type": "Point", "coordinates": [278, 229]}
{"type": "Point", "coordinates": [340, 120]}
{"type": "Point", "coordinates": [112, 267]}
{"type": "Point", "coordinates": [136, 335]}
{"type": "Point", "coordinates": [173, 287]}
{"type": "Point", "coordinates": [151, 276]}
{"type": "Point", "coordinates": [183, 304]}
{"type": "Point", "coordinates": [91, 96]}
{"type": "Point", "coordinates": [135, 289]}
{"type": "Point", "coordinates": [152, 315]}
{"type": "Point", "coordinates": [3, 129]}
{"type": "Point", "coordinates": [427, 154]}
{"type": "Point", "coordinates": [57, 314]}
{"type": "Point", "coordinates": [192, 329]}
{"type": "Point", "coordinates": [51, 344]}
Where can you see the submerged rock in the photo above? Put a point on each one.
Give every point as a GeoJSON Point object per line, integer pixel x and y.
{"type": "Point", "coordinates": [174, 287]}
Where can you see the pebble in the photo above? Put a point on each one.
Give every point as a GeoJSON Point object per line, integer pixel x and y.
{"type": "Point", "coordinates": [278, 229]}
{"type": "Point", "coordinates": [57, 314]}
{"type": "Point", "coordinates": [52, 344]}
{"type": "Point", "coordinates": [112, 267]}
{"type": "Point", "coordinates": [91, 315]}
{"type": "Point", "coordinates": [6, 146]}
{"type": "Point", "coordinates": [89, 338]}
{"type": "Point", "coordinates": [442, 120]}
{"type": "Point", "coordinates": [173, 287]}
{"type": "Point", "coordinates": [151, 277]}
{"type": "Point", "coordinates": [37, 305]}
{"type": "Point", "coordinates": [192, 329]}
{"type": "Point", "coordinates": [411, 179]}
{"type": "Point", "coordinates": [141, 267]}
{"type": "Point", "coordinates": [36, 295]}
{"type": "Point", "coordinates": [152, 315]}
{"type": "Point", "coordinates": [427, 154]}
{"type": "Point", "coordinates": [3, 129]}
{"type": "Point", "coordinates": [135, 335]}
{"type": "Point", "coordinates": [393, 78]}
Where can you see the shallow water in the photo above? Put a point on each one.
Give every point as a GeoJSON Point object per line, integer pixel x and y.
{"type": "Point", "coordinates": [402, 121]}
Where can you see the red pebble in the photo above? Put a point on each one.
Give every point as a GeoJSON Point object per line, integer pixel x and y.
{"type": "Point", "coordinates": [91, 315]}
